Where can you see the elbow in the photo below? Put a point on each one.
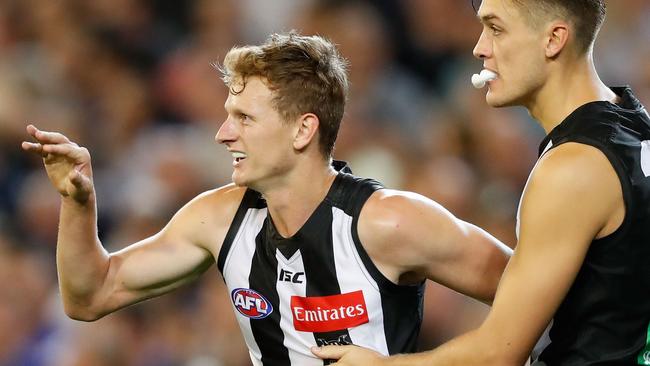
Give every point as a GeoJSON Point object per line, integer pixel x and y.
{"type": "Point", "coordinates": [81, 313]}
{"type": "Point", "coordinates": [488, 285]}
{"type": "Point", "coordinates": [493, 272]}
{"type": "Point", "coordinates": [83, 316]}
{"type": "Point", "coordinates": [490, 291]}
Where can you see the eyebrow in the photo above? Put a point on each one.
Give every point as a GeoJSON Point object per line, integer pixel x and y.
{"type": "Point", "coordinates": [234, 110]}
{"type": "Point", "coordinates": [487, 17]}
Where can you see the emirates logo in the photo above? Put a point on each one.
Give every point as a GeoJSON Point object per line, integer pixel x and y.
{"type": "Point", "coordinates": [329, 313]}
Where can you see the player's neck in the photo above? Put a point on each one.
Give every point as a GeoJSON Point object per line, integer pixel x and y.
{"type": "Point", "coordinates": [568, 88]}
{"type": "Point", "coordinates": [291, 203]}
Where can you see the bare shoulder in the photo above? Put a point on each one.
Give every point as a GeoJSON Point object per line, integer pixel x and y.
{"type": "Point", "coordinates": [575, 181]}
{"type": "Point", "coordinates": [391, 213]}
{"type": "Point", "coordinates": [207, 217]}
{"type": "Point", "coordinates": [218, 201]}
{"type": "Point", "coordinates": [572, 157]}
{"type": "Point", "coordinates": [576, 169]}
{"type": "Point", "coordinates": [398, 229]}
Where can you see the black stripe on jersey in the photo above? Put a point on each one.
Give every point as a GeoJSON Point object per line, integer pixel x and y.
{"type": "Point", "coordinates": [322, 281]}
{"type": "Point", "coordinates": [247, 201]}
{"type": "Point", "coordinates": [263, 278]}
{"type": "Point", "coordinates": [401, 328]}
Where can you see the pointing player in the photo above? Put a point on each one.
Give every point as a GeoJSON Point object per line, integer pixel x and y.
{"type": "Point", "coordinates": [311, 254]}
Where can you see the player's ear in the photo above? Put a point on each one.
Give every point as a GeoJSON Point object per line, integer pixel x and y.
{"type": "Point", "coordinates": [557, 37]}
{"type": "Point", "coordinates": [306, 128]}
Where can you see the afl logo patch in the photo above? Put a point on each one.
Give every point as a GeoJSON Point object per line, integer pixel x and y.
{"type": "Point", "coordinates": [251, 303]}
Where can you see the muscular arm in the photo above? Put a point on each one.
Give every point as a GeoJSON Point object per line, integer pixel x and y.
{"type": "Point", "coordinates": [93, 282]}
{"type": "Point", "coordinates": [410, 238]}
{"type": "Point", "coordinates": [573, 197]}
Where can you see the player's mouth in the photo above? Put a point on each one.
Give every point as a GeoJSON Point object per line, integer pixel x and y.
{"type": "Point", "coordinates": [238, 157]}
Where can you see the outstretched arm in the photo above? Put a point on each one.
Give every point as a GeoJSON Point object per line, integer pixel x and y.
{"type": "Point", "coordinates": [573, 197]}
{"type": "Point", "coordinates": [92, 281]}
{"type": "Point", "coordinates": [411, 238]}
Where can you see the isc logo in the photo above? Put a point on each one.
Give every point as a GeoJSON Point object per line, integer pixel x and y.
{"type": "Point", "coordinates": [251, 303]}
{"type": "Point", "coordinates": [288, 276]}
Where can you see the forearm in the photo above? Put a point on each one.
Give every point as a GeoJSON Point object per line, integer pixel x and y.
{"type": "Point", "coordinates": [82, 262]}
{"type": "Point", "coordinates": [466, 350]}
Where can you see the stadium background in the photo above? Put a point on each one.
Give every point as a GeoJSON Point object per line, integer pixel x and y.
{"type": "Point", "coordinates": [131, 80]}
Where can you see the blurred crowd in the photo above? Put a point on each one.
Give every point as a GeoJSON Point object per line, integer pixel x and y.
{"type": "Point", "coordinates": [133, 82]}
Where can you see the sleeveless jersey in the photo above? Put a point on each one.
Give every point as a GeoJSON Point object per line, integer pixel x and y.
{"type": "Point", "coordinates": [317, 287]}
{"type": "Point", "coordinates": [605, 317]}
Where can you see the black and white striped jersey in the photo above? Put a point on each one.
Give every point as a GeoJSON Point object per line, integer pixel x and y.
{"type": "Point", "coordinates": [317, 287]}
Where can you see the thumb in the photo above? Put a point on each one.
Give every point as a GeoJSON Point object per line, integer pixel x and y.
{"type": "Point", "coordinates": [79, 180]}
{"type": "Point", "coordinates": [82, 186]}
{"type": "Point", "coordinates": [330, 352]}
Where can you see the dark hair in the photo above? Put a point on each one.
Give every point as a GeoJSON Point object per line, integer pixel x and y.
{"type": "Point", "coordinates": [306, 74]}
{"type": "Point", "coordinates": [587, 16]}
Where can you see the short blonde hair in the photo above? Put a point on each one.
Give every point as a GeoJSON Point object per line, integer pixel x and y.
{"type": "Point", "coordinates": [306, 73]}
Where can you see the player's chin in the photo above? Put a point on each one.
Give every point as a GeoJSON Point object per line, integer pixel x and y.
{"type": "Point", "coordinates": [239, 179]}
{"type": "Point", "coordinates": [497, 101]}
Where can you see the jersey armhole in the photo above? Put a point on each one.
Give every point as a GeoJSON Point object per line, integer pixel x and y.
{"type": "Point", "coordinates": [247, 201]}
{"type": "Point", "coordinates": [385, 285]}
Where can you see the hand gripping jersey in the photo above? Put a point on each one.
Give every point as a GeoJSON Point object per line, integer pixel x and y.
{"type": "Point", "coordinates": [605, 317]}
{"type": "Point", "coordinates": [318, 287]}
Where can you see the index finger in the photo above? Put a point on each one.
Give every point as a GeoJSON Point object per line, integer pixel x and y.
{"type": "Point", "coordinates": [330, 352]}
{"type": "Point", "coordinates": [33, 147]}
{"type": "Point", "coordinates": [45, 136]}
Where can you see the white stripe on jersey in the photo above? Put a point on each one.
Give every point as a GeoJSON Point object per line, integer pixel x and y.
{"type": "Point", "coordinates": [352, 276]}
{"type": "Point", "coordinates": [349, 270]}
{"type": "Point", "coordinates": [645, 157]}
{"type": "Point", "coordinates": [544, 341]}
{"type": "Point", "coordinates": [294, 341]}
{"type": "Point", "coordinates": [547, 148]}
{"type": "Point", "coordinates": [241, 252]}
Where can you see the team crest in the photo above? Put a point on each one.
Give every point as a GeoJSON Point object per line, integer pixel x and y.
{"type": "Point", "coordinates": [251, 303]}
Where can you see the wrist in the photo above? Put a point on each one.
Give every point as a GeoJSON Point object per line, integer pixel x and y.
{"type": "Point", "coordinates": [79, 203]}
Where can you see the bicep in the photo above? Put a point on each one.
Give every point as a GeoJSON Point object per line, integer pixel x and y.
{"type": "Point", "coordinates": [149, 268]}
{"type": "Point", "coordinates": [176, 255]}
{"type": "Point", "coordinates": [158, 264]}
{"type": "Point", "coordinates": [421, 239]}
{"type": "Point", "coordinates": [462, 256]}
